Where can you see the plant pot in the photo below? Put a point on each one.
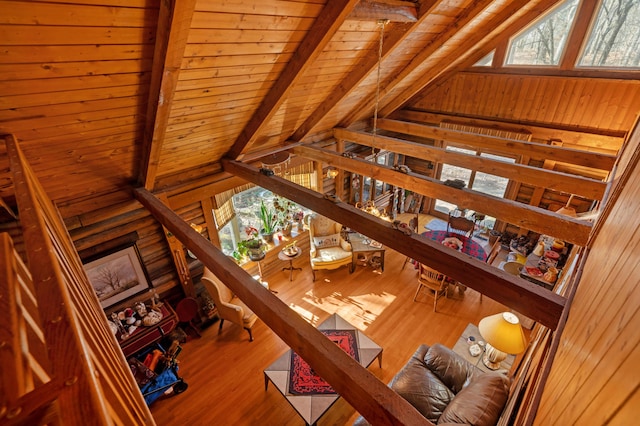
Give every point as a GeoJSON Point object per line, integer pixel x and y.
{"type": "Point", "coordinates": [286, 231]}
{"type": "Point", "coordinates": [256, 253]}
{"type": "Point", "coordinates": [300, 226]}
{"type": "Point", "coordinates": [267, 237]}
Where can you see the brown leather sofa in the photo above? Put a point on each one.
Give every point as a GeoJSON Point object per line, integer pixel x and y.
{"type": "Point", "coordinates": [446, 389]}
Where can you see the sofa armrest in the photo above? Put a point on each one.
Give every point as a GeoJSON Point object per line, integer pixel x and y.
{"type": "Point", "coordinates": [454, 371]}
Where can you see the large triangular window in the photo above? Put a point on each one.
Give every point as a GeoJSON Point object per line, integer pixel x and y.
{"type": "Point", "coordinates": [544, 42]}
{"type": "Point", "coordinates": [615, 38]}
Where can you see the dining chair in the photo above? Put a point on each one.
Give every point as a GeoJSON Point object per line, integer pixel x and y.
{"type": "Point", "coordinates": [460, 225]}
{"type": "Point", "coordinates": [433, 281]}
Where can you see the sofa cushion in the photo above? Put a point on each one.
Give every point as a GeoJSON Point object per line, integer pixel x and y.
{"type": "Point", "coordinates": [327, 241]}
{"type": "Point", "coordinates": [454, 371]}
{"type": "Point", "coordinates": [422, 389]}
{"type": "Point", "coordinates": [480, 402]}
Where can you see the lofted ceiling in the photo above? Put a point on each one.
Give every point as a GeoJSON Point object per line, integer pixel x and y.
{"type": "Point", "coordinates": [106, 93]}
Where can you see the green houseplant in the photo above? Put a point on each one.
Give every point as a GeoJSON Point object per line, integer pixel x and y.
{"type": "Point", "coordinates": [269, 220]}
{"type": "Point", "coordinates": [253, 246]}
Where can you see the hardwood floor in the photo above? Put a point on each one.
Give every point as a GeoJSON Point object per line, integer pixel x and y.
{"type": "Point", "coordinates": [224, 371]}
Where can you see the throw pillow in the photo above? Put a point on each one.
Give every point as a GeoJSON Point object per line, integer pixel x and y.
{"type": "Point", "coordinates": [327, 241]}
{"type": "Point", "coordinates": [480, 402]}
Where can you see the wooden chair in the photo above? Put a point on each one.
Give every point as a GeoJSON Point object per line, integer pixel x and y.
{"type": "Point", "coordinates": [460, 225]}
{"type": "Point", "coordinates": [493, 253]}
{"type": "Point", "coordinates": [433, 281]}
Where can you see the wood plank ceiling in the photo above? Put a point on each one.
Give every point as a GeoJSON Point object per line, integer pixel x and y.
{"type": "Point", "coordinates": [103, 93]}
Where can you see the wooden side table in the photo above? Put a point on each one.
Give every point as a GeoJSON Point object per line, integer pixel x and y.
{"type": "Point", "coordinates": [285, 257]}
{"type": "Point", "coordinates": [359, 245]}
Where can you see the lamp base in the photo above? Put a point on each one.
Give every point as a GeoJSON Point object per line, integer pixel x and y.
{"type": "Point", "coordinates": [493, 357]}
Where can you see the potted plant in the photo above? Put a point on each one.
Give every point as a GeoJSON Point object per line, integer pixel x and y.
{"type": "Point", "coordinates": [269, 221]}
{"type": "Point", "coordinates": [284, 208]}
{"type": "Point", "coordinates": [297, 217]}
{"type": "Point", "coordinates": [253, 247]}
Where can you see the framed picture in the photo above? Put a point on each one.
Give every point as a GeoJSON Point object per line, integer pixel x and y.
{"type": "Point", "coordinates": [117, 276]}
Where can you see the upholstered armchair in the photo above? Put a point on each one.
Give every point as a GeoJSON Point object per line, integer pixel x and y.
{"type": "Point", "coordinates": [229, 306]}
{"type": "Point", "coordinates": [328, 250]}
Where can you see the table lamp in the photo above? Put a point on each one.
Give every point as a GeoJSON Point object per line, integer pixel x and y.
{"type": "Point", "coordinates": [503, 334]}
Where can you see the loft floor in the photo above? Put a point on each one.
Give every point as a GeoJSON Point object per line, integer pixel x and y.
{"type": "Point", "coordinates": [224, 371]}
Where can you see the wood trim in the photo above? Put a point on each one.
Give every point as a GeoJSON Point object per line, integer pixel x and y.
{"type": "Point", "coordinates": [376, 401]}
{"type": "Point", "coordinates": [319, 35]}
{"type": "Point", "coordinates": [590, 188]}
{"type": "Point", "coordinates": [518, 214]}
{"type": "Point", "coordinates": [525, 297]}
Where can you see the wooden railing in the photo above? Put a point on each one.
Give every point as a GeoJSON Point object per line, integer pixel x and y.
{"type": "Point", "coordinates": [82, 376]}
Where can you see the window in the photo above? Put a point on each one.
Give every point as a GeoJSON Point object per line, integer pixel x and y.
{"type": "Point", "coordinates": [241, 211]}
{"type": "Point", "coordinates": [475, 180]}
{"type": "Point", "coordinates": [614, 40]}
{"type": "Point", "coordinates": [486, 61]}
{"type": "Point", "coordinates": [543, 43]}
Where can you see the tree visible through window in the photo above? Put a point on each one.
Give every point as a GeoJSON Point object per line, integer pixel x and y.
{"type": "Point", "coordinates": [544, 42]}
{"type": "Point", "coordinates": [615, 38]}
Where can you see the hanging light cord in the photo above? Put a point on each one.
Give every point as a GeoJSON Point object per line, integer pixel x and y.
{"type": "Point", "coordinates": [381, 23]}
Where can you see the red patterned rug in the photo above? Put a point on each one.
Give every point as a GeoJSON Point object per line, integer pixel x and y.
{"type": "Point", "coordinates": [304, 381]}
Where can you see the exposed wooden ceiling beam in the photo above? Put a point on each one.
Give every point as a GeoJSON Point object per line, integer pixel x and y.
{"type": "Point", "coordinates": [396, 34]}
{"type": "Point", "coordinates": [538, 151]}
{"type": "Point", "coordinates": [174, 22]}
{"type": "Point", "coordinates": [535, 176]}
{"type": "Point", "coordinates": [525, 297]}
{"type": "Point", "coordinates": [321, 33]}
{"type": "Point", "coordinates": [393, 10]}
{"type": "Point", "coordinates": [512, 19]}
{"type": "Point", "coordinates": [364, 107]}
{"type": "Point", "coordinates": [518, 214]}
{"type": "Point", "coordinates": [372, 398]}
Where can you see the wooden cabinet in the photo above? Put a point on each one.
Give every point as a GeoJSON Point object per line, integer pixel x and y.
{"type": "Point", "coordinates": [144, 336]}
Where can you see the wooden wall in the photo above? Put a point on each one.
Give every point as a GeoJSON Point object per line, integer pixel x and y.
{"type": "Point", "coordinates": [594, 378]}
{"type": "Point", "coordinates": [595, 104]}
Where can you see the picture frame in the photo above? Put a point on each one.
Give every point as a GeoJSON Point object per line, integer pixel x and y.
{"type": "Point", "coordinates": [117, 276]}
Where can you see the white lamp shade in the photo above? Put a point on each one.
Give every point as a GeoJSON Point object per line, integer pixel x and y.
{"type": "Point", "coordinates": [504, 332]}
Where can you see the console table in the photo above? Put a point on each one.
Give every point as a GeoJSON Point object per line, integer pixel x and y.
{"type": "Point", "coordinates": [462, 348]}
{"type": "Point", "coordinates": [144, 336]}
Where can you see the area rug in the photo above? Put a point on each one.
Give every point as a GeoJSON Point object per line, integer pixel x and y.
{"type": "Point", "coordinates": [303, 380]}
{"type": "Point", "coordinates": [436, 225]}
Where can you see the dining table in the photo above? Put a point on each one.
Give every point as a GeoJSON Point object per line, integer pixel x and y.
{"type": "Point", "coordinates": [469, 245]}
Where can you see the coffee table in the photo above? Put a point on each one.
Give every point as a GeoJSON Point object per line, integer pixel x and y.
{"type": "Point", "coordinates": [362, 245]}
{"type": "Point", "coordinates": [312, 406]}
